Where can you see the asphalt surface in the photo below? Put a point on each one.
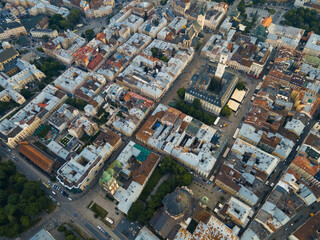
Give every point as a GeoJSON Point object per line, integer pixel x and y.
{"type": "Point", "coordinates": [285, 231]}
{"type": "Point", "coordinates": [276, 178]}
{"type": "Point", "coordinates": [71, 211]}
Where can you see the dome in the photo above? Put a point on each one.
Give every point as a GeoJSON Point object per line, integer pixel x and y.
{"type": "Point", "coordinates": [6, 45]}
{"type": "Point", "coordinates": [178, 203]}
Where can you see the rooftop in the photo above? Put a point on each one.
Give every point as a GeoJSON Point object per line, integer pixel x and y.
{"type": "Point", "coordinates": [183, 137]}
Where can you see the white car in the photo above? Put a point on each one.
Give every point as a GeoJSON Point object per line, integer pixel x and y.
{"type": "Point", "coordinates": [99, 227]}
{"type": "Point", "coordinates": [54, 193]}
{"type": "Point", "coordinates": [70, 199]}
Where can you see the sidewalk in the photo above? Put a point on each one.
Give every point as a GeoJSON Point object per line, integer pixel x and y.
{"type": "Point", "coordinates": [107, 205]}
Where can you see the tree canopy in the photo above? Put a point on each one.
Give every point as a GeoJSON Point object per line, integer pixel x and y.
{"type": "Point", "coordinates": [58, 22]}
{"type": "Point", "coordinates": [241, 86]}
{"type": "Point", "coordinates": [179, 176]}
{"type": "Point", "coordinates": [181, 92]}
{"type": "Point", "coordinates": [303, 18]}
{"type": "Point", "coordinates": [89, 34]}
{"type": "Point", "coordinates": [49, 66]}
{"type": "Point", "coordinates": [74, 16]}
{"type": "Point", "coordinates": [195, 112]}
{"type": "Point", "coordinates": [20, 200]}
{"type": "Point", "coordinates": [242, 8]}
{"type": "Point", "coordinates": [226, 111]}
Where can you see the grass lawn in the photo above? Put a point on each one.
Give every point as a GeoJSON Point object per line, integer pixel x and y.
{"type": "Point", "coordinates": [99, 210]}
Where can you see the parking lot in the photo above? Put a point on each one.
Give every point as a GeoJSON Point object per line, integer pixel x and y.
{"type": "Point", "coordinates": [201, 188]}
{"type": "Point", "coordinates": [127, 229]}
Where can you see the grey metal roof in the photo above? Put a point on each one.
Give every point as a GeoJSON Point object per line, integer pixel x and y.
{"type": "Point", "coordinates": [7, 54]}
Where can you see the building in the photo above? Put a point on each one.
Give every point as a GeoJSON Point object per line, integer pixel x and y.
{"type": "Point", "coordinates": [143, 9]}
{"type": "Point", "coordinates": [35, 156]}
{"type": "Point", "coordinates": [146, 234]}
{"type": "Point", "coordinates": [133, 22]}
{"type": "Point", "coordinates": [39, 33]}
{"type": "Point", "coordinates": [74, 79]}
{"type": "Point", "coordinates": [100, 12]}
{"type": "Point", "coordinates": [250, 58]}
{"type": "Point", "coordinates": [209, 14]}
{"type": "Point", "coordinates": [12, 28]}
{"type": "Point", "coordinates": [239, 51]}
{"type": "Point", "coordinates": [238, 212]}
{"type": "Point", "coordinates": [284, 36]}
{"type": "Point", "coordinates": [63, 117]}
{"type": "Point", "coordinates": [191, 142]}
{"type": "Point", "coordinates": [64, 46]}
{"type": "Point", "coordinates": [297, 189]}
{"type": "Point", "coordinates": [126, 177]}
{"type": "Point", "coordinates": [134, 45]}
{"type": "Point", "coordinates": [163, 69]}
{"type": "Point", "coordinates": [211, 228]}
{"type": "Point", "coordinates": [308, 230]}
{"type": "Point", "coordinates": [88, 57]}
{"type": "Point", "coordinates": [266, 22]}
{"type": "Point", "coordinates": [229, 180]}
{"type": "Point", "coordinates": [82, 125]}
{"type": "Point", "coordinates": [177, 207]}
{"type": "Point", "coordinates": [134, 108]}
{"type": "Point", "coordinates": [214, 14]}
{"type": "Point", "coordinates": [7, 55]}
{"type": "Point", "coordinates": [262, 162]}
{"type": "Point", "coordinates": [77, 174]}
{"type": "Point", "coordinates": [28, 119]}
{"type": "Point", "coordinates": [199, 88]}
{"type": "Point", "coordinates": [21, 73]}
{"type": "Point", "coordinates": [42, 235]}
{"type": "Point", "coordinates": [312, 46]}
{"type": "Point", "coordinates": [153, 25]}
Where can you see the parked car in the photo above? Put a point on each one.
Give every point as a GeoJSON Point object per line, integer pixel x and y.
{"type": "Point", "coordinates": [64, 193]}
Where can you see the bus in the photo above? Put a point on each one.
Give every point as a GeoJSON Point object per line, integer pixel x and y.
{"type": "Point", "coordinates": [258, 87]}
{"type": "Point", "coordinates": [226, 152]}
{"type": "Point", "coordinates": [235, 135]}
{"type": "Point", "coordinates": [44, 183]}
{"type": "Point", "coordinates": [216, 121]}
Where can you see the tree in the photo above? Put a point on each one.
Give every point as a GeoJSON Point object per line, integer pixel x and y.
{"type": "Point", "coordinates": [68, 232]}
{"type": "Point", "coordinates": [74, 16]}
{"type": "Point", "coordinates": [215, 86]}
{"type": "Point", "coordinates": [187, 179]}
{"type": "Point", "coordinates": [45, 38]}
{"type": "Point", "coordinates": [58, 22]}
{"type": "Point", "coordinates": [303, 18]}
{"type": "Point", "coordinates": [242, 7]}
{"type": "Point", "coordinates": [12, 229]}
{"type": "Point", "coordinates": [25, 93]}
{"type": "Point", "coordinates": [241, 86]}
{"type": "Point", "coordinates": [41, 85]}
{"type": "Point", "coordinates": [61, 228]}
{"type": "Point", "coordinates": [181, 92]}
{"type": "Point", "coordinates": [135, 210]}
{"type": "Point", "coordinates": [25, 221]}
{"type": "Point", "coordinates": [197, 47]}
{"type": "Point", "coordinates": [89, 34]}
{"type": "Point", "coordinates": [70, 237]}
{"type": "Point", "coordinates": [13, 199]}
{"type": "Point", "coordinates": [196, 103]}
{"type": "Point", "coordinates": [226, 111]}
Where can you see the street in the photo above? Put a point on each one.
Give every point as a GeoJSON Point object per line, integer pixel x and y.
{"type": "Point", "coordinates": [76, 210]}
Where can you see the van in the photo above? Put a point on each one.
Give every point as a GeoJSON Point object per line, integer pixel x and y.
{"type": "Point", "coordinates": [109, 220]}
